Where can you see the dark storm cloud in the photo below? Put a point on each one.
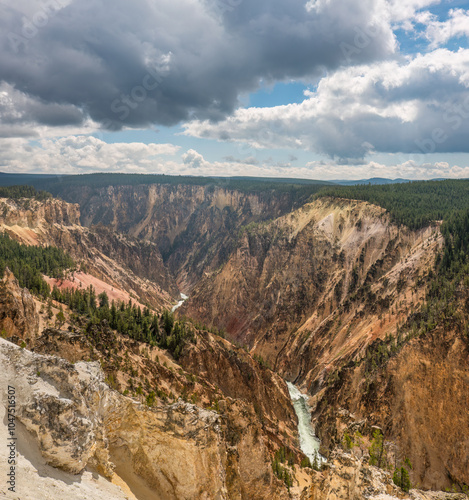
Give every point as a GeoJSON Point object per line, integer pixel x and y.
{"type": "Point", "coordinates": [17, 109]}
{"type": "Point", "coordinates": [135, 63]}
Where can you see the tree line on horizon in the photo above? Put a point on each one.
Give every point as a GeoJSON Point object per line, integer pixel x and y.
{"type": "Point", "coordinates": [413, 204]}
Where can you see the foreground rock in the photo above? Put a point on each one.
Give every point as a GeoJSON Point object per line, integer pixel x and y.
{"type": "Point", "coordinates": [254, 416]}
{"type": "Point", "coordinates": [68, 418]}
{"type": "Point", "coordinates": [167, 452]}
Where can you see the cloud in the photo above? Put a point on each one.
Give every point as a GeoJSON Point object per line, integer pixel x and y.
{"type": "Point", "coordinates": [402, 11]}
{"type": "Point", "coordinates": [193, 159]}
{"type": "Point", "coordinates": [329, 170]}
{"type": "Point", "coordinates": [420, 105]}
{"type": "Point", "coordinates": [250, 160]}
{"type": "Point", "coordinates": [130, 64]}
{"type": "Point", "coordinates": [81, 154]}
{"type": "Point", "coordinates": [440, 32]}
{"type": "Point", "coordinates": [19, 110]}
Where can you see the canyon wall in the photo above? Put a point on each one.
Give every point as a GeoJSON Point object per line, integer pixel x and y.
{"type": "Point", "coordinates": [194, 227]}
{"type": "Point", "coordinates": [418, 400]}
{"type": "Point", "coordinates": [309, 290]}
{"type": "Point", "coordinates": [133, 266]}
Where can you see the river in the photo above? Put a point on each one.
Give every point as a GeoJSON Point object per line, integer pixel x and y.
{"type": "Point", "coordinates": [309, 443]}
{"type": "Point", "coordinates": [179, 304]}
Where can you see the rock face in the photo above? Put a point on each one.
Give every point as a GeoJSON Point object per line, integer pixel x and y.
{"type": "Point", "coordinates": [32, 213]}
{"type": "Point", "coordinates": [347, 477]}
{"type": "Point", "coordinates": [133, 266]}
{"type": "Point", "coordinates": [18, 317]}
{"type": "Point", "coordinates": [418, 400]}
{"type": "Point", "coordinates": [195, 227]}
{"type": "Point", "coordinates": [59, 403]}
{"type": "Point", "coordinates": [164, 453]}
{"type": "Point", "coordinates": [306, 288]}
{"type": "Point", "coordinates": [238, 376]}
{"type": "Point", "coordinates": [168, 452]}
{"type": "Point", "coordinates": [255, 413]}
{"type": "Point", "coordinates": [77, 419]}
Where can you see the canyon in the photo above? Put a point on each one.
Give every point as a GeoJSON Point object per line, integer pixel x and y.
{"type": "Point", "coordinates": [281, 288]}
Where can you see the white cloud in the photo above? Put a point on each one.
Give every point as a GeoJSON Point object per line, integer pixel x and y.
{"type": "Point", "coordinates": [329, 170]}
{"type": "Point", "coordinates": [193, 159]}
{"type": "Point", "coordinates": [405, 10]}
{"type": "Point", "coordinates": [81, 154]}
{"type": "Point", "coordinates": [440, 32]}
{"type": "Point", "coordinates": [387, 107]}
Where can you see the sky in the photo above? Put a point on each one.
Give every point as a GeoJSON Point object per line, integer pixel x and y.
{"type": "Point", "coordinates": [316, 89]}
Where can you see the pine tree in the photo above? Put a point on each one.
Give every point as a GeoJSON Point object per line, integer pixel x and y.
{"type": "Point", "coordinates": [60, 318]}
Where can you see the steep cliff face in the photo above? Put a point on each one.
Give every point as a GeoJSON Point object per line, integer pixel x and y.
{"type": "Point", "coordinates": [18, 317]}
{"type": "Point", "coordinates": [310, 289]}
{"type": "Point", "coordinates": [79, 422]}
{"type": "Point", "coordinates": [348, 477]}
{"type": "Point", "coordinates": [133, 266]}
{"type": "Point", "coordinates": [239, 376]}
{"type": "Point", "coordinates": [167, 451]}
{"type": "Point", "coordinates": [418, 399]}
{"type": "Point", "coordinates": [195, 227]}
{"type": "Point", "coordinates": [31, 213]}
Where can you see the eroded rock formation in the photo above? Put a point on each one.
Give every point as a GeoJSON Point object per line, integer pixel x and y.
{"type": "Point", "coordinates": [18, 317]}
{"type": "Point", "coordinates": [418, 399]}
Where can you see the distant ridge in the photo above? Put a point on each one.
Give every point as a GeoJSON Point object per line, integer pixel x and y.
{"type": "Point", "coordinates": [7, 179]}
{"type": "Point", "coordinates": [38, 180]}
{"type": "Point", "coordinates": [63, 185]}
{"type": "Point", "coordinates": [17, 178]}
{"type": "Point", "coordinates": [374, 181]}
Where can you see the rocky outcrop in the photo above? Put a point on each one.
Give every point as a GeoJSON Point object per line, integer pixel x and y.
{"type": "Point", "coordinates": [18, 316]}
{"type": "Point", "coordinates": [305, 290]}
{"type": "Point", "coordinates": [255, 413]}
{"type": "Point", "coordinates": [166, 452]}
{"type": "Point", "coordinates": [60, 404]}
{"type": "Point", "coordinates": [32, 213]}
{"type": "Point", "coordinates": [239, 376]}
{"type": "Point", "coordinates": [79, 422]}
